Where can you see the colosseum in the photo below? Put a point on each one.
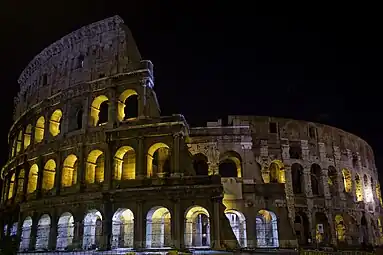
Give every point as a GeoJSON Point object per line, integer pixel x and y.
{"type": "Point", "coordinates": [94, 166]}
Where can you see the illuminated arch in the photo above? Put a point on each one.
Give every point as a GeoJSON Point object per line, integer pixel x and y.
{"type": "Point", "coordinates": [358, 188]}
{"type": "Point", "coordinates": [49, 174]}
{"type": "Point", "coordinates": [26, 230]}
{"type": "Point", "coordinates": [92, 229]}
{"type": "Point", "coordinates": [267, 229]}
{"type": "Point", "coordinates": [347, 179]}
{"type": "Point", "coordinates": [69, 172]}
{"type": "Point", "coordinates": [277, 172]}
{"type": "Point", "coordinates": [238, 225]}
{"type": "Point", "coordinates": [65, 231]}
{"type": "Point", "coordinates": [27, 136]}
{"type": "Point", "coordinates": [197, 227]}
{"type": "Point", "coordinates": [19, 142]}
{"type": "Point", "coordinates": [96, 108]}
{"type": "Point", "coordinates": [162, 151]}
{"type": "Point", "coordinates": [95, 167]}
{"type": "Point", "coordinates": [125, 163]}
{"type": "Point", "coordinates": [200, 164]}
{"type": "Point", "coordinates": [39, 129]}
{"type": "Point", "coordinates": [11, 186]}
{"type": "Point", "coordinates": [158, 228]}
{"type": "Point", "coordinates": [340, 228]}
{"type": "Point", "coordinates": [230, 164]}
{"type": "Point", "coordinates": [123, 229]}
{"type": "Point", "coordinates": [54, 123]}
{"type": "Point", "coordinates": [20, 182]}
{"type": "Point", "coordinates": [32, 178]}
{"type": "Point", "coordinates": [43, 232]}
{"type": "Point", "coordinates": [121, 102]}
{"type": "Point", "coordinates": [378, 193]}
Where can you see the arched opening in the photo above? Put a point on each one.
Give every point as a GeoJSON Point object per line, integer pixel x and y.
{"type": "Point", "coordinates": [25, 234]}
{"type": "Point", "coordinates": [92, 230]}
{"type": "Point", "coordinates": [197, 227]}
{"type": "Point", "coordinates": [340, 228]}
{"type": "Point", "coordinates": [32, 178]}
{"type": "Point", "coordinates": [95, 167]}
{"type": "Point", "coordinates": [27, 136]}
{"type": "Point", "coordinates": [39, 130]}
{"type": "Point", "coordinates": [43, 231]}
{"type": "Point", "coordinates": [14, 229]}
{"type": "Point", "coordinates": [297, 178]}
{"type": "Point", "coordinates": [127, 105]}
{"type": "Point", "coordinates": [347, 179]}
{"type": "Point", "coordinates": [49, 174]}
{"type": "Point", "coordinates": [315, 176]}
{"type": "Point", "coordinates": [301, 226]}
{"type": "Point", "coordinates": [125, 163]}
{"type": "Point", "coordinates": [123, 229]}
{"type": "Point", "coordinates": [277, 172]}
{"type": "Point", "coordinates": [267, 229]}
{"type": "Point", "coordinates": [79, 119]}
{"type": "Point", "coordinates": [364, 230]}
{"type": "Point", "coordinates": [69, 172]}
{"type": "Point", "coordinates": [238, 225]}
{"type": "Point", "coordinates": [230, 165]}
{"type": "Point", "coordinates": [358, 188]}
{"type": "Point", "coordinates": [158, 160]}
{"type": "Point", "coordinates": [379, 194]}
{"type": "Point", "coordinates": [54, 123]}
{"type": "Point", "coordinates": [19, 142]}
{"type": "Point", "coordinates": [20, 183]}
{"type": "Point", "coordinates": [200, 164]}
{"type": "Point", "coordinates": [367, 189]}
{"type": "Point", "coordinates": [65, 231]}
{"type": "Point", "coordinates": [295, 151]}
{"type": "Point", "coordinates": [158, 228]}
{"type": "Point", "coordinates": [332, 180]}
{"type": "Point", "coordinates": [99, 110]}
{"type": "Point", "coordinates": [322, 229]}
{"type": "Point", "coordinates": [13, 149]}
{"type": "Point", "coordinates": [11, 186]}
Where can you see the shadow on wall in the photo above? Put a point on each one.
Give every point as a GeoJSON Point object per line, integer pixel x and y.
{"type": "Point", "coordinates": [9, 245]}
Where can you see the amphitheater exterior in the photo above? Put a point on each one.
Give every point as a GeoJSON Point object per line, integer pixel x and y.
{"type": "Point", "coordinates": [93, 165]}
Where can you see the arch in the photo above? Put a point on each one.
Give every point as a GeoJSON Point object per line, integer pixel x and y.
{"type": "Point", "coordinates": [158, 228]}
{"type": "Point", "coordinates": [13, 149]}
{"type": "Point", "coordinates": [79, 114]}
{"type": "Point", "coordinates": [11, 186]}
{"type": "Point", "coordinates": [358, 188]}
{"type": "Point", "coordinates": [230, 164]}
{"type": "Point", "coordinates": [123, 229]}
{"type": "Point", "coordinates": [364, 230]}
{"type": "Point", "coordinates": [347, 179]}
{"type": "Point", "coordinates": [20, 182]}
{"type": "Point", "coordinates": [43, 231]}
{"type": "Point", "coordinates": [267, 229]}
{"type": "Point", "coordinates": [379, 194]}
{"type": "Point", "coordinates": [95, 167]}
{"type": "Point", "coordinates": [340, 228]}
{"type": "Point", "coordinates": [54, 122]}
{"type": "Point", "coordinates": [315, 177]}
{"type": "Point", "coordinates": [238, 225]}
{"type": "Point", "coordinates": [332, 180]}
{"type": "Point", "coordinates": [301, 227]}
{"type": "Point", "coordinates": [39, 130]}
{"type": "Point", "coordinates": [99, 110]}
{"type": "Point", "coordinates": [92, 230]}
{"type": "Point", "coordinates": [200, 164]}
{"type": "Point", "coordinates": [125, 96]}
{"type": "Point", "coordinates": [197, 227]}
{"type": "Point", "coordinates": [297, 178]}
{"type": "Point", "coordinates": [69, 171]}
{"type": "Point", "coordinates": [32, 178]}
{"type": "Point", "coordinates": [322, 229]}
{"type": "Point", "coordinates": [158, 160]}
{"type": "Point", "coordinates": [65, 231]}
{"type": "Point", "coordinates": [49, 174]}
{"type": "Point", "coordinates": [27, 136]}
{"type": "Point", "coordinates": [277, 172]}
{"type": "Point", "coordinates": [125, 163]}
{"type": "Point", "coordinates": [25, 234]}
{"type": "Point", "coordinates": [19, 141]}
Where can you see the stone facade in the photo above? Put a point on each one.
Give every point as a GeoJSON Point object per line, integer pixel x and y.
{"type": "Point", "coordinates": [93, 164]}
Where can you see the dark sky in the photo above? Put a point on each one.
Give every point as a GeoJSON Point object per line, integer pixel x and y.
{"type": "Point", "coordinates": [320, 63]}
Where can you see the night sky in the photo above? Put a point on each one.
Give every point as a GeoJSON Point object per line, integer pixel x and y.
{"type": "Point", "coordinates": [317, 63]}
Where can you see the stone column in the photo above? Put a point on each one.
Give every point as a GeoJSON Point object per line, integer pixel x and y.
{"type": "Point", "coordinates": [58, 176]}
{"type": "Point", "coordinates": [107, 225]}
{"type": "Point", "coordinates": [139, 227]}
{"type": "Point", "coordinates": [81, 168]}
{"type": "Point", "coordinates": [324, 181]}
{"type": "Point", "coordinates": [112, 109]}
{"type": "Point", "coordinates": [213, 157]}
{"type": "Point", "coordinates": [307, 181]}
{"type": "Point", "coordinates": [176, 156]}
{"type": "Point", "coordinates": [339, 173]}
{"type": "Point", "coordinates": [177, 223]}
{"type": "Point", "coordinates": [108, 167]}
{"type": "Point", "coordinates": [33, 235]}
{"type": "Point", "coordinates": [216, 225]}
{"type": "Point", "coordinates": [86, 122]}
{"type": "Point", "coordinates": [142, 91]}
{"type": "Point", "coordinates": [78, 233]}
{"type": "Point", "coordinates": [53, 232]}
{"type": "Point", "coordinates": [141, 159]}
